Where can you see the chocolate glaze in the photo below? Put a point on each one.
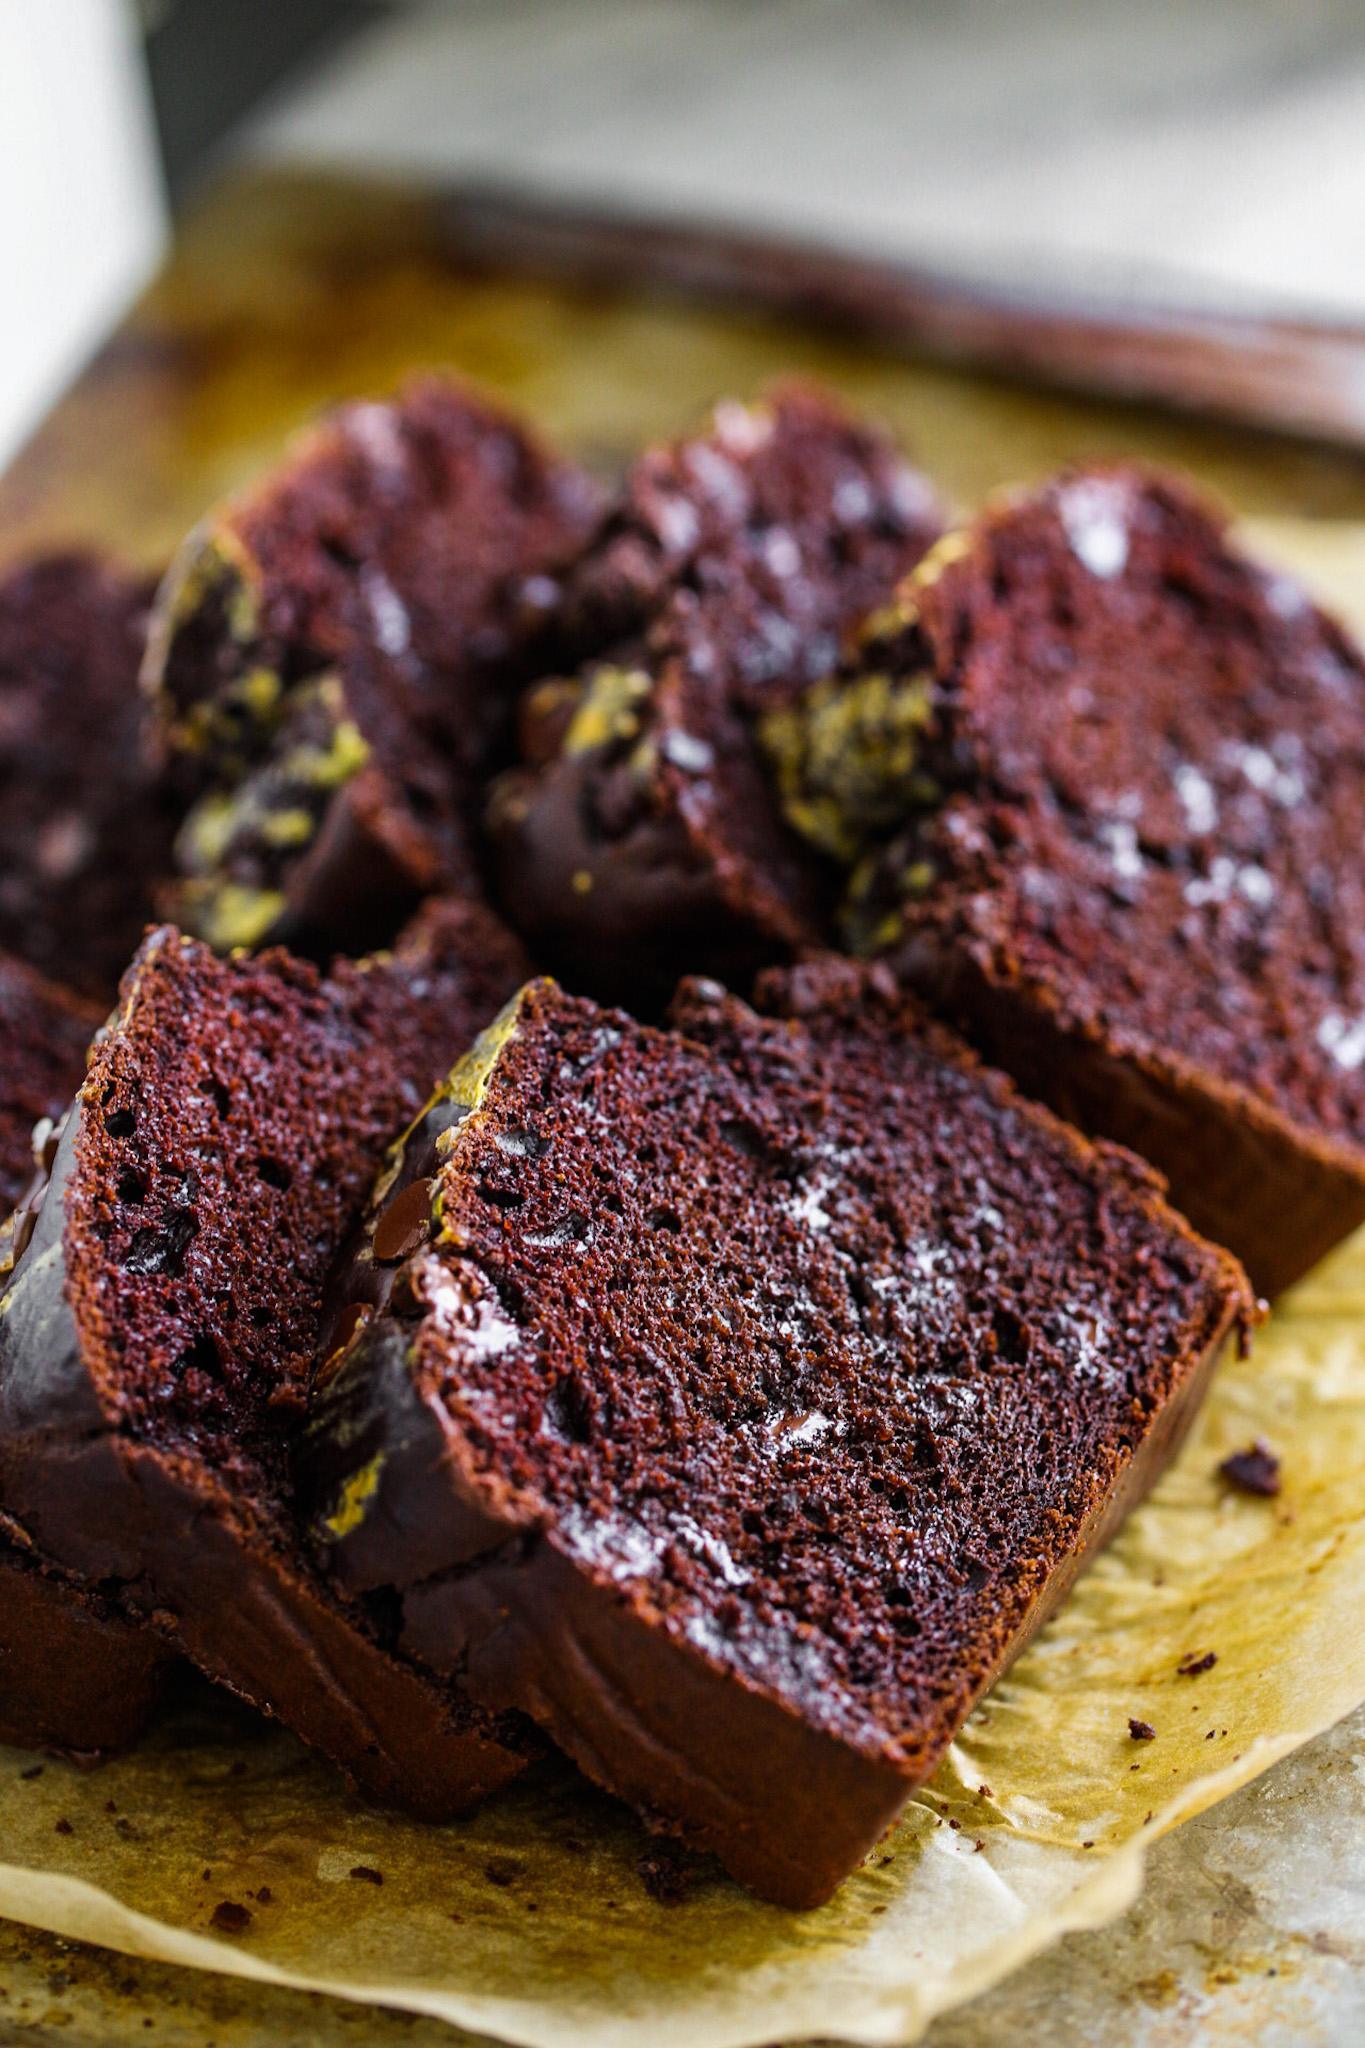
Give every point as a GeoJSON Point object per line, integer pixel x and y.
{"type": "Point", "coordinates": [145, 1390]}
{"type": "Point", "coordinates": [761, 1387]}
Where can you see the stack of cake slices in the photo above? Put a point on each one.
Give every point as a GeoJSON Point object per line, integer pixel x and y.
{"type": "Point", "coordinates": [718, 1359]}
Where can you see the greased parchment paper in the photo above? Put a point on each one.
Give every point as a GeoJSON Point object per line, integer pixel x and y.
{"type": "Point", "coordinates": [532, 1921]}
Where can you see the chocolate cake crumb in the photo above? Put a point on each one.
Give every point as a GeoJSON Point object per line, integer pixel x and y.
{"type": "Point", "coordinates": [1192, 1666]}
{"type": "Point", "coordinates": [667, 1873]}
{"type": "Point", "coordinates": [367, 1873]}
{"type": "Point", "coordinates": [1141, 1731]}
{"type": "Point", "coordinates": [1255, 1470]}
{"type": "Point", "coordinates": [229, 1916]}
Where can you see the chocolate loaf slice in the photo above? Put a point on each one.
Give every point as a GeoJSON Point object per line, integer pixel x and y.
{"type": "Point", "coordinates": [639, 839]}
{"type": "Point", "coordinates": [737, 1399]}
{"type": "Point", "coordinates": [1122, 842]}
{"type": "Point", "coordinates": [155, 1336]}
{"type": "Point", "coordinates": [333, 662]}
{"type": "Point", "coordinates": [85, 825]}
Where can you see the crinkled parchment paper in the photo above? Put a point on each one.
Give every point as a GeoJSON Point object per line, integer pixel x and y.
{"type": "Point", "coordinates": [532, 1922]}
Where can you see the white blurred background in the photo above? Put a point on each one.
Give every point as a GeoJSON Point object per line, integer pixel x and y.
{"type": "Point", "coordinates": [1186, 153]}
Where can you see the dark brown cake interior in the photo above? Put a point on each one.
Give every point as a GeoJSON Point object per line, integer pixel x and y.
{"type": "Point", "coordinates": [229, 1134]}
{"type": "Point", "coordinates": [1152, 755]}
{"type": "Point", "coordinates": [805, 1332]}
{"type": "Point", "coordinates": [85, 829]}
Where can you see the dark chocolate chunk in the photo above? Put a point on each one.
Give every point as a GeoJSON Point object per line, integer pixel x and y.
{"type": "Point", "coordinates": [404, 1224]}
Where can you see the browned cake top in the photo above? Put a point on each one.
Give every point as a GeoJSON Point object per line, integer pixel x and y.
{"type": "Point", "coordinates": [230, 1127]}
{"type": "Point", "coordinates": [84, 834]}
{"type": "Point", "coordinates": [785, 521]}
{"type": "Point", "coordinates": [804, 1330]}
{"type": "Point", "coordinates": [1149, 755]}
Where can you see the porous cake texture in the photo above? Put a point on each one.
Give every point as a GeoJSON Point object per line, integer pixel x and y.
{"type": "Point", "coordinates": [1100, 781]}
{"type": "Point", "coordinates": [639, 838]}
{"type": "Point", "coordinates": [334, 659]}
{"type": "Point", "coordinates": [735, 1399]}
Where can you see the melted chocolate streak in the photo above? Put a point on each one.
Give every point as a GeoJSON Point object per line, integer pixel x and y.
{"type": "Point", "coordinates": [363, 1404]}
